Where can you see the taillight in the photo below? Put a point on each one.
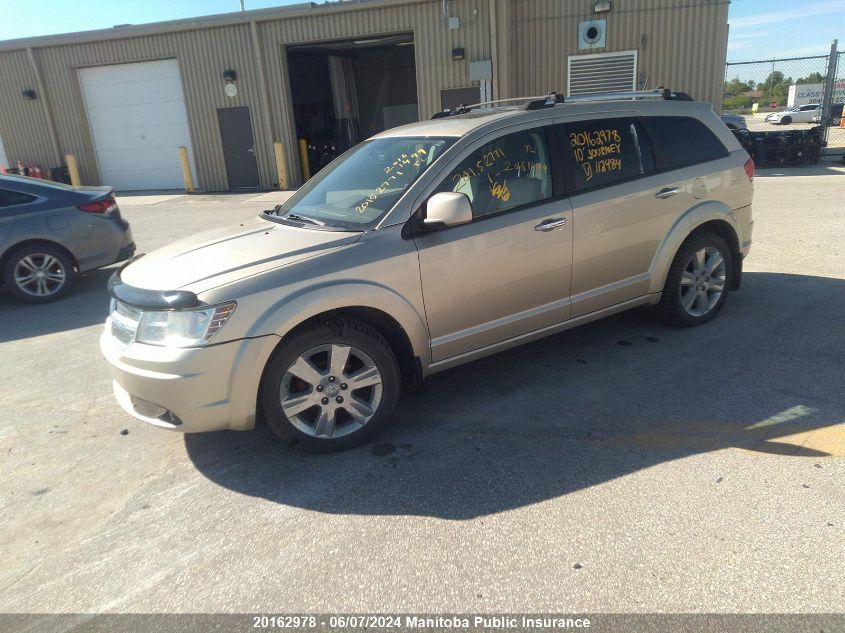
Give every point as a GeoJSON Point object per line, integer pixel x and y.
{"type": "Point", "coordinates": [101, 206]}
{"type": "Point", "coordinates": [749, 169]}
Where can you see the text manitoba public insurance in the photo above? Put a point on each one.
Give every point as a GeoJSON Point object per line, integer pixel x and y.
{"type": "Point", "coordinates": [496, 622]}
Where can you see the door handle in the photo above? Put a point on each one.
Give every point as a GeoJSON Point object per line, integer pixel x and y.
{"type": "Point", "coordinates": [550, 224]}
{"type": "Point", "coordinates": [251, 150]}
{"type": "Point", "coordinates": [668, 192]}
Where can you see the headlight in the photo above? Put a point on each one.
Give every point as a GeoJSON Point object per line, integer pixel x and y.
{"type": "Point", "coordinates": [171, 328]}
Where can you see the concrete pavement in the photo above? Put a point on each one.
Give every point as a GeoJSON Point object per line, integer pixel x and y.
{"type": "Point", "coordinates": [621, 466]}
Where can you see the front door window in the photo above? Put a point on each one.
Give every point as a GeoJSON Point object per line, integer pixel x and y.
{"type": "Point", "coordinates": [509, 172]}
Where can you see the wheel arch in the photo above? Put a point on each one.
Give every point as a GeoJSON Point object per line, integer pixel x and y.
{"type": "Point", "coordinates": [380, 321]}
{"type": "Point", "coordinates": [14, 248]}
{"type": "Point", "coordinates": [410, 363]}
{"type": "Point", "coordinates": [393, 316]}
{"type": "Point", "coordinates": [711, 216]}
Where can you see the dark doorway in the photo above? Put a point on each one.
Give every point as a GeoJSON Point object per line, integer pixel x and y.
{"type": "Point", "coordinates": [343, 92]}
{"type": "Point", "coordinates": [238, 147]}
{"type": "Point", "coordinates": [454, 97]}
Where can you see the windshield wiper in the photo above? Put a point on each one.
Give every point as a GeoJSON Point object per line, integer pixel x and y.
{"type": "Point", "coordinates": [303, 218]}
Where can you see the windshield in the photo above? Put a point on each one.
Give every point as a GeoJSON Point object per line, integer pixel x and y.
{"type": "Point", "coordinates": [361, 186]}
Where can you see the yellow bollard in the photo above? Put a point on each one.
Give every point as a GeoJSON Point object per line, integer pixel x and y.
{"type": "Point", "coordinates": [303, 158]}
{"type": "Point", "coordinates": [73, 170]}
{"type": "Point", "coordinates": [281, 167]}
{"type": "Point", "coordinates": [186, 169]}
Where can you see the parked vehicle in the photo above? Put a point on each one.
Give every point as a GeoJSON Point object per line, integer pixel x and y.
{"type": "Point", "coordinates": [835, 115]}
{"type": "Point", "coordinates": [734, 121]}
{"type": "Point", "coordinates": [799, 114]}
{"type": "Point", "coordinates": [51, 232]}
{"type": "Point", "coordinates": [427, 246]}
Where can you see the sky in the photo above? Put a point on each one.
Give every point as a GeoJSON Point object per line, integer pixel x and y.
{"type": "Point", "coordinates": [762, 29]}
{"type": "Point", "coordinates": [758, 28]}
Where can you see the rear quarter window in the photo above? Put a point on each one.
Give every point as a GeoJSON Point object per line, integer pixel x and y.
{"type": "Point", "coordinates": [10, 198]}
{"type": "Point", "coordinates": [679, 141]}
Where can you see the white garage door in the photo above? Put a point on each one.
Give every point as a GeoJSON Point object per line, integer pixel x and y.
{"type": "Point", "coordinates": [138, 120]}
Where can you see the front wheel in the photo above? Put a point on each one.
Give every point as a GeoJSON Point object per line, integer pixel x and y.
{"type": "Point", "coordinates": [698, 281]}
{"type": "Point", "coordinates": [331, 386]}
{"type": "Point", "coordinates": [786, 120]}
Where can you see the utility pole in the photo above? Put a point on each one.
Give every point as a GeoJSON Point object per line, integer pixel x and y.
{"type": "Point", "coordinates": [242, 6]}
{"type": "Point", "coordinates": [827, 99]}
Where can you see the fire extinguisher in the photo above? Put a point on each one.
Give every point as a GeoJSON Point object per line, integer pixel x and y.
{"type": "Point", "coordinates": [35, 170]}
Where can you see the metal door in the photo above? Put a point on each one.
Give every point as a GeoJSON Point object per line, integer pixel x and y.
{"type": "Point", "coordinates": [238, 147]}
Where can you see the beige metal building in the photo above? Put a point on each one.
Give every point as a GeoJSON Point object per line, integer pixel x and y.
{"type": "Point", "coordinates": [122, 100]}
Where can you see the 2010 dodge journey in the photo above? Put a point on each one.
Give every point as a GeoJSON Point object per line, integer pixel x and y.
{"type": "Point", "coordinates": [428, 246]}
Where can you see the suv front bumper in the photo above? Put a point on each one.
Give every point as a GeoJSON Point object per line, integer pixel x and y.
{"type": "Point", "coordinates": [199, 389]}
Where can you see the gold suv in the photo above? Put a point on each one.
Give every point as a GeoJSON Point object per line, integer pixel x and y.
{"type": "Point", "coordinates": [428, 246]}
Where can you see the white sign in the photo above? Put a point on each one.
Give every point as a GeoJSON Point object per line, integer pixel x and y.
{"type": "Point", "coordinates": [814, 93]}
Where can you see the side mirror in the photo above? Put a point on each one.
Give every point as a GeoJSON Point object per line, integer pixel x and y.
{"type": "Point", "coordinates": [447, 209]}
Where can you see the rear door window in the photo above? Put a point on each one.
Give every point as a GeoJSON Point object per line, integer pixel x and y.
{"type": "Point", "coordinates": [680, 141]}
{"type": "Point", "coordinates": [603, 152]}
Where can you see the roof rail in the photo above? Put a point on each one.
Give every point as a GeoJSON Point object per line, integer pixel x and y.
{"type": "Point", "coordinates": [464, 108]}
{"type": "Point", "coordinates": [553, 98]}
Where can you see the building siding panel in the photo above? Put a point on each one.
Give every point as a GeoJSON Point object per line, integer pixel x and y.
{"type": "Point", "coordinates": [684, 48]}
{"type": "Point", "coordinates": [23, 125]}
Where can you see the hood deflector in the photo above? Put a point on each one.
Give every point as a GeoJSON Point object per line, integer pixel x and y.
{"type": "Point", "coordinates": [150, 299]}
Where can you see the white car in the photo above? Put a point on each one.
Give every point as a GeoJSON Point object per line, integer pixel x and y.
{"type": "Point", "coordinates": [798, 114]}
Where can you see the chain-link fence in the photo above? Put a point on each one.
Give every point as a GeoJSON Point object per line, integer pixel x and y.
{"type": "Point", "coordinates": [785, 95]}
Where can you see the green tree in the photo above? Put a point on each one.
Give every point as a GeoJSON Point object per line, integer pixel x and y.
{"type": "Point", "coordinates": [737, 102]}
{"type": "Point", "coordinates": [812, 78]}
{"type": "Point", "coordinates": [775, 88]}
{"type": "Point", "coordinates": [737, 87]}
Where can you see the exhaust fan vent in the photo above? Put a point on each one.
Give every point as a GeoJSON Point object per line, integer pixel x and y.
{"type": "Point", "coordinates": [591, 34]}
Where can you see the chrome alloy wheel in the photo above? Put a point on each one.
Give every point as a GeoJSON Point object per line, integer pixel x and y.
{"type": "Point", "coordinates": [40, 275]}
{"type": "Point", "coordinates": [331, 390]}
{"type": "Point", "coordinates": [703, 281]}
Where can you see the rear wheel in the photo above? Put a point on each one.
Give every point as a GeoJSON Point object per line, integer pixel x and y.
{"type": "Point", "coordinates": [698, 281]}
{"type": "Point", "coordinates": [331, 386]}
{"type": "Point", "coordinates": [39, 273]}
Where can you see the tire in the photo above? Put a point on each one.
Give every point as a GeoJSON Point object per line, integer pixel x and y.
{"type": "Point", "coordinates": [325, 412]}
{"type": "Point", "coordinates": [687, 275]}
{"type": "Point", "coordinates": [39, 273]}
{"type": "Point", "coordinates": [786, 120]}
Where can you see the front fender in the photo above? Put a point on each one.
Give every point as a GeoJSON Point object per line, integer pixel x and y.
{"type": "Point", "coordinates": [294, 309]}
{"type": "Point", "coordinates": [706, 211]}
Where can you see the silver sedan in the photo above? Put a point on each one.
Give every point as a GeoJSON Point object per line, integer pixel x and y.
{"type": "Point", "coordinates": [50, 233]}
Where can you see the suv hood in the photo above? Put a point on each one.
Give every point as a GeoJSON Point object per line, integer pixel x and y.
{"type": "Point", "coordinates": [219, 256]}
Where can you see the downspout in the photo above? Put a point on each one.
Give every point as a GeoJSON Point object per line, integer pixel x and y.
{"type": "Point", "coordinates": [45, 105]}
{"type": "Point", "coordinates": [494, 50]}
{"type": "Point", "coordinates": [262, 83]}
